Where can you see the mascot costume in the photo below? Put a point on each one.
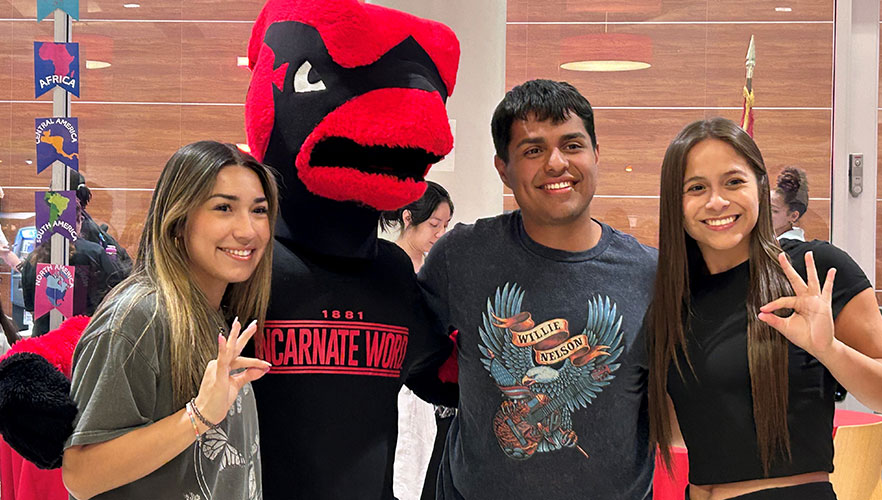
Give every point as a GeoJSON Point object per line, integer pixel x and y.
{"type": "Point", "coordinates": [347, 103]}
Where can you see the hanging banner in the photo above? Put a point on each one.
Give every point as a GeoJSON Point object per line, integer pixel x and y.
{"type": "Point", "coordinates": [54, 289]}
{"type": "Point", "coordinates": [46, 7]}
{"type": "Point", "coordinates": [56, 213]}
{"type": "Point", "coordinates": [57, 140]}
{"type": "Point", "coordinates": [56, 64]}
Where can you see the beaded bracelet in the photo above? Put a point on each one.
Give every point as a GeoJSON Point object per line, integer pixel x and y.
{"type": "Point", "coordinates": [192, 420]}
{"type": "Point", "coordinates": [202, 419]}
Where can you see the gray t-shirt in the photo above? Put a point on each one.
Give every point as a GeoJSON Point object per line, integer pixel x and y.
{"type": "Point", "coordinates": [122, 381]}
{"type": "Point", "coordinates": [552, 365]}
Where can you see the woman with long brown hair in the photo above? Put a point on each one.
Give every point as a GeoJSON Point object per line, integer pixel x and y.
{"type": "Point", "coordinates": [755, 408]}
{"type": "Point", "coordinates": [165, 404]}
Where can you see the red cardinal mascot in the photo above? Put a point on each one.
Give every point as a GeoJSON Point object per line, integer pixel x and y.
{"type": "Point", "coordinates": [347, 103]}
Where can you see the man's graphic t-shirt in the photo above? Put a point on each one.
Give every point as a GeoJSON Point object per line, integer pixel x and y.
{"type": "Point", "coordinates": [552, 365]}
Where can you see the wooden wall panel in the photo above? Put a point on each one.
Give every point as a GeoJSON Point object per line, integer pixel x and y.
{"type": "Point", "coordinates": [17, 145]}
{"type": "Point", "coordinates": [123, 211]}
{"type": "Point", "coordinates": [123, 145]}
{"type": "Point", "coordinates": [692, 65]}
{"type": "Point", "coordinates": [238, 10]}
{"type": "Point", "coordinates": [666, 10]}
{"type": "Point", "coordinates": [208, 59]}
{"type": "Point", "coordinates": [150, 62]}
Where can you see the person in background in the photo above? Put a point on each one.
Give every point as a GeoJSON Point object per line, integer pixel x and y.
{"type": "Point", "coordinates": [755, 407]}
{"type": "Point", "coordinates": [95, 274]}
{"type": "Point", "coordinates": [420, 225]}
{"type": "Point", "coordinates": [91, 231]}
{"type": "Point", "coordinates": [166, 408]}
{"type": "Point", "coordinates": [789, 202]}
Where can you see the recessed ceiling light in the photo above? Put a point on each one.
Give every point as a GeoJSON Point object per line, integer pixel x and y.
{"type": "Point", "coordinates": [131, 5]}
{"type": "Point", "coordinates": [242, 61]}
{"type": "Point", "coordinates": [606, 52]}
{"type": "Point", "coordinates": [96, 64]}
{"type": "Point", "coordinates": [629, 169]}
{"type": "Point", "coordinates": [783, 9]}
{"type": "Point", "coordinates": [245, 148]}
{"type": "Point", "coordinates": [29, 162]}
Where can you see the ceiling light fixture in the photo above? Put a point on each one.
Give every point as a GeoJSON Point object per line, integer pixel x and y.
{"type": "Point", "coordinates": [783, 9]}
{"type": "Point", "coordinates": [242, 61]}
{"type": "Point", "coordinates": [245, 148]}
{"type": "Point", "coordinates": [90, 64]}
{"type": "Point", "coordinates": [606, 52]}
{"type": "Point", "coordinates": [131, 5]}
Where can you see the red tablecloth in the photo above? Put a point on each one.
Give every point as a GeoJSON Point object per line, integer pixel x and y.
{"type": "Point", "coordinates": [671, 486]}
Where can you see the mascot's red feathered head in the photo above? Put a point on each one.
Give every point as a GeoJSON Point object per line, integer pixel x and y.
{"type": "Point", "coordinates": [349, 99]}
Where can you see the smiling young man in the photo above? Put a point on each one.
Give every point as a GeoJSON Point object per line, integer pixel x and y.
{"type": "Point", "coordinates": [548, 303]}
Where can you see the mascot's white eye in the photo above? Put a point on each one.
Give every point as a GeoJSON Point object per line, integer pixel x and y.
{"type": "Point", "coordinates": [301, 80]}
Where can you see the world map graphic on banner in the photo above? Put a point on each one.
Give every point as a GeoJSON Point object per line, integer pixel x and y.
{"type": "Point", "coordinates": [57, 139]}
{"type": "Point", "coordinates": [54, 289]}
{"type": "Point", "coordinates": [56, 212]}
{"type": "Point", "coordinates": [56, 64]}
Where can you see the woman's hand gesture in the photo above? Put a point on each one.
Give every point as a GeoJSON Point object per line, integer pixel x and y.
{"type": "Point", "coordinates": [810, 327]}
{"type": "Point", "coordinates": [219, 386]}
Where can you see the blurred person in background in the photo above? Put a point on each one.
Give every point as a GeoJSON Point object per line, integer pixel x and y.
{"type": "Point", "coordinates": [789, 202]}
{"type": "Point", "coordinates": [92, 231]}
{"type": "Point", "coordinates": [422, 429]}
{"type": "Point", "coordinates": [95, 273]}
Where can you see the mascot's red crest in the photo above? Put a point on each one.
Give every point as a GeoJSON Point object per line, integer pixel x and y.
{"type": "Point", "coordinates": [350, 98]}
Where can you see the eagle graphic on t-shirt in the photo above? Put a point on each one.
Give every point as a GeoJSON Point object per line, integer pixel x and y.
{"type": "Point", "coordinates": [545, 374]}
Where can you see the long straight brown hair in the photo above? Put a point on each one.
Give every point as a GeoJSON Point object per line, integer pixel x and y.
{"type": "Point", "coordinates": [678, 257]}
{"type": "Point", "coordinates": [163, 264]}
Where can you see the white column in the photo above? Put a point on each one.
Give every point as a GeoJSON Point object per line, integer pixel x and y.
{"type": "Point", "coordinates": [60, 107]}
{"type": "Point", "coordinates": [480, 85]}
{"type": "Point", "coordinates": [855, 119]}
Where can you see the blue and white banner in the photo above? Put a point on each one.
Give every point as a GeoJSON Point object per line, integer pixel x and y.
{"type": "Point", "coordinates": [57, 139]}
{"type": "Point", "coordinates": [46, 7]}
{"type": "Point", "coordinates": [56, 64]}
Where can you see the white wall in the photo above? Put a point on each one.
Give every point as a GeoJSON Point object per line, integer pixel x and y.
{"type": "Point", "coordinates": [480, 26]}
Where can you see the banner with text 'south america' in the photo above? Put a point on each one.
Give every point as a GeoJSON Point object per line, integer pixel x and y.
{"type": "Point", "coordinates": [56, 212]}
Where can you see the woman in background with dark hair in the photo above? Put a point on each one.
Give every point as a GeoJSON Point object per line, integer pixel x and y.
{"type": "Point", "coordinates": [755, 407]}
{"type": "Point", "coordinates": [421, 223]}
{"type": "Point", "coordinates": [789, 202]}
{"type": "Point", "coordinates": [417, 456]}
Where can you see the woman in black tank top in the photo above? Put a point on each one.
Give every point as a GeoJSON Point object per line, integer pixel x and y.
{"type": "Point", "coordinates": [755, 407]}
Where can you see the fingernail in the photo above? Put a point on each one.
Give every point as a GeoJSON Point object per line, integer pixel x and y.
{"type": "Point", "coordinates": [235, 320]}
{"type": "Point", "coordinates": [253, 322]}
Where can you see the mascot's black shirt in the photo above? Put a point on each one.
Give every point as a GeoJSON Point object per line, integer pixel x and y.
{"type": "Point", "coordinates": [342, 335]}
